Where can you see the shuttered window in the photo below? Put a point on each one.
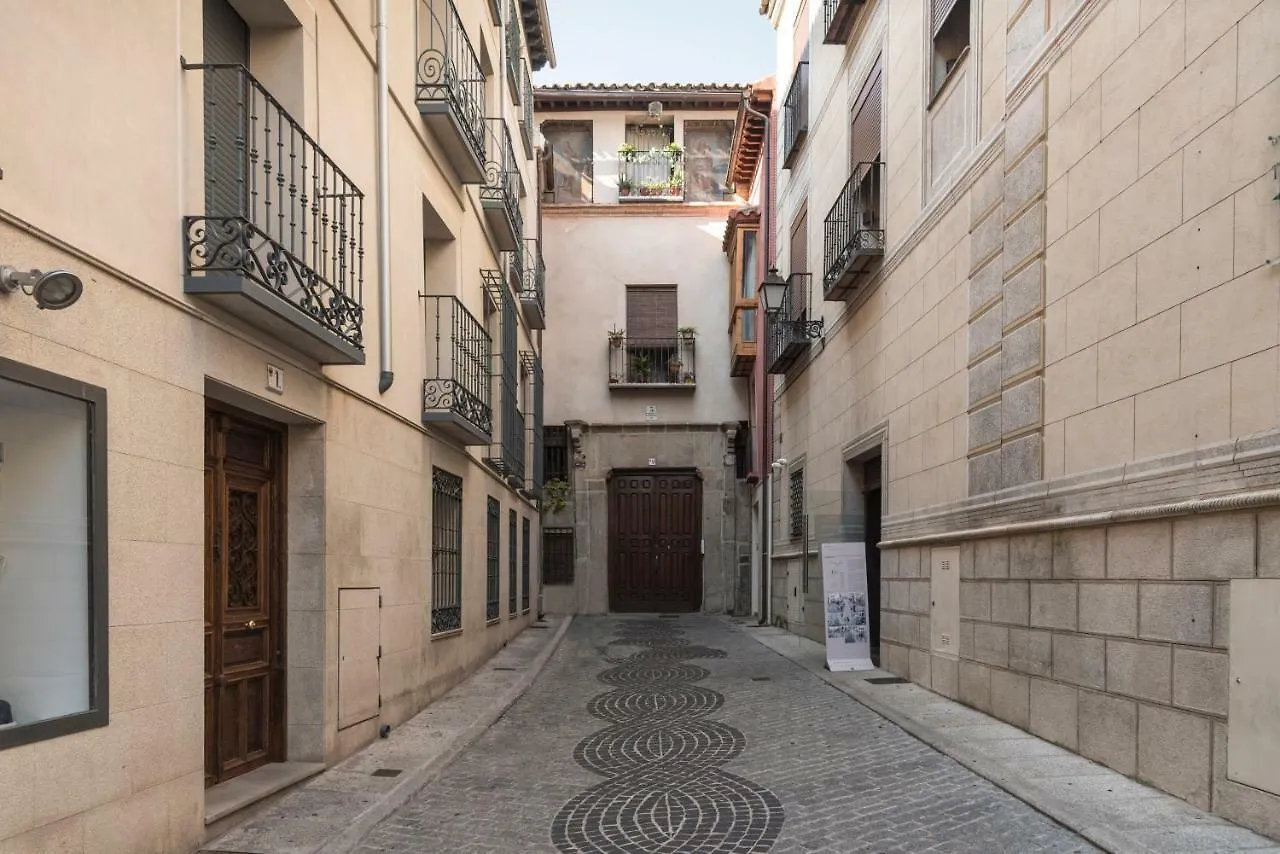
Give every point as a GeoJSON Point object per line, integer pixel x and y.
{"type": "Point", "coordinates": [864, 136]}
{"type": "Point", "coordinates": [226, 41]}
{"type": "Point", "coordinates": [941, 9]}
{"type": "Point", "coordinates": [651, 312]}
{"type": "Point", "coordinates": [950, 28]}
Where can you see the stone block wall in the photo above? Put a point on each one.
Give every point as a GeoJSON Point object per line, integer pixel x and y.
{"type": "Point", "coordinates": [1109, 641]}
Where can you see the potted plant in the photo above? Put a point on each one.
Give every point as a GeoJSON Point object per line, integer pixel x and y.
{"type": "Point", "coordinates": [673, 369]}
{"type": "Point", "coordinates": [624, 185]}
{"type": "Point", "coordinates": [615, 337]}
{"type": "Point", "coordinates": [687, 332]}
{"type": "Point", "coordinates": [626, 152]}
{"type": "Point", "coordinates": [688, 378]}
{"type": "Point", "coordinates": [641, 365]}
{"type": "Point", "coordinates": [674, 150]}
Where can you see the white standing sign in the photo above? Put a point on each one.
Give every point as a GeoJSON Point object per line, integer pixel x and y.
{"type": "Point", "coordinates": [846, 615]}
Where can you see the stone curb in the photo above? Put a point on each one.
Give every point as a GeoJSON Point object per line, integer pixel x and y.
{"type": "Point", "coordinates": [409, 786]}
{"type": "Point", "coordinates": [1074, 818]}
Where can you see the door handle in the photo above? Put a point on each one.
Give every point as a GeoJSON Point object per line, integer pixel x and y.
{"type": "Point", "coordinates": [251, 624]}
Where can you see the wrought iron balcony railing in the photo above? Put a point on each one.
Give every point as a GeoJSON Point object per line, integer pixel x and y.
{"type": "Point", "coordinates": [652, 174]}
{"type": "Point", "coordinates": [457, 396]}
{"type": "Point", "coordinates": [853, 233]}
{"type": "Point", "coordinates": [500, 192]}
{"type": "Point", "coordinates": [506, 456]}
{"type": "Point", "coordinates": [650, 362]}
{"type": "Point", "coordinates": [450, 87]}
{"type": "Point", "coordinates": [839, 18]}
{"type": "Point", "coordinates": [532, 284]}
{"type": "Point", "coordinates": [281, 241]}
{"type": "Point", "coordinates": [514, 27]}
{"type": "Point", "coordinates": [537, 471]}
{"type": "Point", "coordinates": [526, 119]}
{"type": "Point", "coordinates": [795, 115]}
{"type": "Point", "coordinates": [789, 333]}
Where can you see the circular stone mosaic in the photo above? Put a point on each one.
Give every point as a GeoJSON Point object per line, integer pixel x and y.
{"type": "Point", "coordinates": [665, 791]}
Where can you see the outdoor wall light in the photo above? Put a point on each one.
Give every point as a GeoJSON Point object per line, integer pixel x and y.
{"type": "Point", "coordinates": [53, 290]}
{"type": "Point", "coordinates": [773, 291]}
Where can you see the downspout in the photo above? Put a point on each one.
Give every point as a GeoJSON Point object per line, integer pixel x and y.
{"type": "Point", "coordinates": [766, 529]}
{"type": "Point", "coordinates": [385, 375]}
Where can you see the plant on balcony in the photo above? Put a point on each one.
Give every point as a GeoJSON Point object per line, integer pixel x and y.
{"type": "Point", "coordinates": [555, 495]}
{"type": "Point", "coordinates": [624, 185]}
{"type": "Point", "coordinates": [674, 150]}
{"type": "Point", "coordinates": [626, 152]}
{"type": "Point", "coordinates": [615, 337]}
{"type": "Point", "coordinates": [688, 378]}
{"type": "Point", "coordinates": [614, 379]}
{"type": "Point", "coordinates": [673, 369]}
{"type": "Point", "coordinates": [641, 367]}
{"type": "Point", "coordinates": [687, 332]}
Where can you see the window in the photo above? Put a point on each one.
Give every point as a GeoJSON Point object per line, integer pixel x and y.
{"type": "Point", "coordinates": [747, 276]}
{"type": "Point", "coordinates": [524, 565]}
{"type": "Point", "coordinates": [742, 451]}
{"type": "Point", "coordinates": [513, 581]}
{"type": "Point", "coordinates": [53, 555]}
{"type": "Point", "coordinates": [556, 449]}
{"type": "Point", "coordinates": [706, 160]}
{"type": "Point", "coordinates": [557, 556]}
{"type": "Point", "coordinates": [950, 19]}
{"type": "Point", "coordinates": [493, 559]}
{"type": "Point", "coordinates": [864, 130]}
{"type": "Point", "coordinates": [651, 312]}
{"type": "Point", "coordinates": [446, 551]}
{"type": "Point", "coordinates": [797, 504]}
{"type": "Point", "coordinates": [571, 162]}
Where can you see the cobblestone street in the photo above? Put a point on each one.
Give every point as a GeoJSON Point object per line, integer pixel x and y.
{"type": "Point", "coordinates": [685, 735]}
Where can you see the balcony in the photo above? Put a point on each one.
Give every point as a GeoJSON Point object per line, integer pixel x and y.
{"type": "Point", "coordinates": [651, 363]}
{"type": "Point", "coordinates": [795, 115]}
{"type": "Point", "coordinates": [530, 284]}
{"type": "Point", "coordinates": [450, 88]}
{"type": "Point", "coordinates": [743, 333]}
{"type": "Point", "coordinates": [853, 233]}
{"type": "Point", "coordinates": [840, 15]}
{"type": "Point", "coordinates": [500, 191]}
{"type": "Point", "coordinates": [457, 395]}
{"type": "Point", "coordinates": [526, 119]}
{"type": "Point", "coordinates": [506, 456]}
{"type": "Point", "coordinates": [281, 243]}
{"type": "Point", "coordinates": [651, 174]}
{"type": "Point", "coordinates": [788, 335]}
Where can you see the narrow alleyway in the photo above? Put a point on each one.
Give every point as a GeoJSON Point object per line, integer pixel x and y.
{"type": "Point", "coordinates": [683, 734]}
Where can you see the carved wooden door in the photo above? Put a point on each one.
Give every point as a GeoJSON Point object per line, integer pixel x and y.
{"type": "Point", "coordinates": [655, 541]}
{"type": "Point", "coordinates": [244, 638]}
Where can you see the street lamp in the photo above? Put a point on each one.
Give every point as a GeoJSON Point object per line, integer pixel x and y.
{"type": "Point", "coordinates": [773, 291]}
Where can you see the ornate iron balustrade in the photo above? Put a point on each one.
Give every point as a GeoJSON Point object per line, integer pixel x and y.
{"type": "Point", "coordinates": [839, 18]}
{"type": "Point", "coordinates": [493, 560]}
{"type": "Point", "coordinates": [457, 392]}
{"type": "Point", "coordinates": [449, 70]}
{"type": "Point", "coordinates": [788, 334]}
{"type": "Point", "coordinates": [853, 232]}
{"type": "Point", "coordinates": [501, 188]}
{"type": "Point", "coordinates": [526, 121]}
{"type": "Point", "coordinates": [537, 477]}
{"type": "Point", "coordinates": [654, 174]}
{"type": "Point", "coordinates": [795, 115]}
{"type": "Point", "coordinates": [514, 26]}
{"type": "Point", "coordinates": [532, 287]}
{"type": "Point", "coordinates": [652, 362]}
{"type": "Point", "coordinates": [506, 457]}
{"type": "Point", "coordinates": [278, 211]}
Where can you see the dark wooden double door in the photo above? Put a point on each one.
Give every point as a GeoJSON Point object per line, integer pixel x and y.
{"type": "Point", "coordinates": [244, 575]}
{"type": "Point", "coordinates": [655, 541]}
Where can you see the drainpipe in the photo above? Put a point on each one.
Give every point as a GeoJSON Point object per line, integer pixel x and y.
{"type": "Point", "coordinates": [385, 375]}
{"type": "Point", "coordinates": [766, 529]}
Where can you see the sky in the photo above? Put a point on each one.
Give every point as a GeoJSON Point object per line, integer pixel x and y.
{"type": "Point", "coordinates": [658, 41]}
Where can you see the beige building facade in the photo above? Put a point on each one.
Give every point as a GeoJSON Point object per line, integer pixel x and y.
{"type": "Point", "coordinates": [1039, 239]}
{"type": "Point", "coordinates": [271, 483]}
{"type": "Point", "coordinates": [646, 420]}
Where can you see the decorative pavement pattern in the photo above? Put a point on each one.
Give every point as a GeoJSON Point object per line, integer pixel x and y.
{"type": "Point", "coordinates": [665, 791]}
{"type": "Point", "coordinates": [732, 745]}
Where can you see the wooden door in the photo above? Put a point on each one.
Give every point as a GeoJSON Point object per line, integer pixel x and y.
{"type": "Point", "coordinates": [244, 569]}
{"type": "Point", "coordinates": [655, 541]}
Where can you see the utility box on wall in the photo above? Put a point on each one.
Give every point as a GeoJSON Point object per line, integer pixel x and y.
{"type": "Point", "coordinates": [944, 598]}
{"type": "Point", "coordinates": [359, 654]}
{"type": "Point", "coordinates": [1253, 722]}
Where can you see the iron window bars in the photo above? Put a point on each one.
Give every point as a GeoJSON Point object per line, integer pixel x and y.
{"type": "Point", "coordinates": [449, 70]}
{"type": "Point", "coordinates": [278, 211]}
{"type": "Point", "coordinates": [654, 174]}
{"type": "Point", "coordinates": [532, 363]}
{"type": "Point", "coordinates": [795, 115]}
{"type": "Point", "coordinates": [796, 502]}
{"type": "Point", "coordinates": [524, 565]}
{"type": "Point", "coordinates": [513, 579]}
{"type": "Point", "coordinates": [788, 333]}
{"type": "Point", "coordinates": [533, 279]}
{"type": "Point", "coordinates": [526, 121]}
{"type": "Point", "coordinates": [446, 551]}
{"type": "Point", "coordinates": [651, 361]}
{"type": "Point", "coordinates": [557, 556]}
{"type": "Point", "coordinates": [458, 373]}
{"type": "Point", "coordinates": [556, 447]}
{"type": "Point", "coordinates": [506, 457]}
{"type": "Point", "coordinates": [853, 231]}
{"type": "Point", "coordinates": [493, 559]}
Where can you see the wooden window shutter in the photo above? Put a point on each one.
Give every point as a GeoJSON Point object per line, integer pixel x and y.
{"type": "Point", "coordinates": [864, 136]}
{"type": "Point", "coordinates": [941, 8]}
{"type": "Point", "coordinates": [651, 312]}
